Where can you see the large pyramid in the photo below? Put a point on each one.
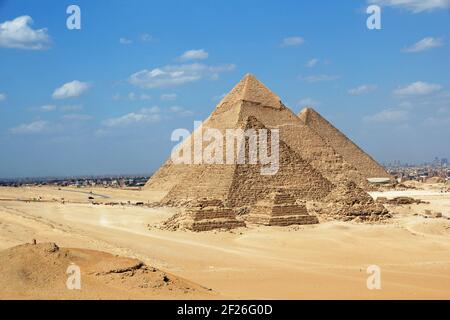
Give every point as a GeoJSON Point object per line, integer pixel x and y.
{"type": "Point", "coordinates": [309, 168]}
{"type": "Point", "coordinates": [351, 153]}
{"type": "Point", "coordinates": [312, 158]}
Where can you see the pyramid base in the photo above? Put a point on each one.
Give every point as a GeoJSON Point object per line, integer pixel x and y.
{"type": "Point", "coordinates": [282, 221]}
{"type": "Point", "coordinates": [214, 224]}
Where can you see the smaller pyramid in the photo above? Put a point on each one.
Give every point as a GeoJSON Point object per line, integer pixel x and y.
{"type": "Point", "coordinates": [280, 209]}
{"type": "Point", "coordinates": [205, 215]}
{"type": "Point", "coordinates": [350, 152]}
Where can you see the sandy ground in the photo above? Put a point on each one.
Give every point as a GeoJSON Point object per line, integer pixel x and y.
{"type": "Point", "coordinates": [327, 261]}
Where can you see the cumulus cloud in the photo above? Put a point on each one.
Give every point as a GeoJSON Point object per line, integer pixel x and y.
{"type": "Point", "coordinates": [319, 78]}
{"type": "Point", "coordinates": [415, 6]}
{"type": "Point", "coordinates": [362, 89]}
{"type": "Point", "coordinates": [312, 63]}
{"type": "Point", "coordinates": [417, 88]}
{"type": "Point", "coordinates": [31, 128]}
{"type": "Point", "coordinates": [292, 41]}
{"type": "Point", "coordinates": [173, 75]}
{"type": "Point", "coordinates": [19, 34]}
{"type": "Point", "coordinates": [199, 54]}
{"type": "Point", "coordinates": [2, 97]}
{"type": "Point", "coordinates": [146, 115]}
{"type": "Point", "coordinates": [169, 96]}
{"type": "Point", "coordinates": [70, 90]}
{"type": "Point", "coordinates": [424, 44]}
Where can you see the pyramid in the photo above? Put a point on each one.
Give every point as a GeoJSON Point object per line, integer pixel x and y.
{"type": "Point", "coordinates": [205, 215]}
{"type": "Point", "coordinates": [351, 153]}
{"type": "Point", "coordinates": [309, 168]}
{"type": "Point", "coordinates": [240, 185]}
{"type": "Point", "coordinates": [280, 209]}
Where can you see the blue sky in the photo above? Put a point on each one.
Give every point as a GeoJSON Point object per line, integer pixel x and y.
{"type": "Point", "coordinates": [99, 101]}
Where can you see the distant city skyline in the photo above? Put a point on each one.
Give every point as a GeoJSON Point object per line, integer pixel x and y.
{"type": "Point", "coordinates": [104, 100]}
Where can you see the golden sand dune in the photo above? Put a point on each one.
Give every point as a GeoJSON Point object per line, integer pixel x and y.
{"type": "Point", "coordinates": [41, 271]}
{"type": "Point", "coordinates": [327, 260]}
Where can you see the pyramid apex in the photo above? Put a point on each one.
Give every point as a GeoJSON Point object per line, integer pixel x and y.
{"type": "Point", "coordinates": [306, 114]}
{"type": "Point", "coordinates": [252, 90]}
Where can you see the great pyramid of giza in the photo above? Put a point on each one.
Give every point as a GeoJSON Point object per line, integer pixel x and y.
{"type": "Point", "coordinates": [351, 153]}
{"type": "Point", "coordinates": [309, 169]}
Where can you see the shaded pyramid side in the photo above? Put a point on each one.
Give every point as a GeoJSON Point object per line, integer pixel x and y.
{"type": "Point", "coordinates": [294, 174]}
{"type": "Point", "coordinates": [280, 209]}
{"type": "Point", "coordinates": [351, 153]}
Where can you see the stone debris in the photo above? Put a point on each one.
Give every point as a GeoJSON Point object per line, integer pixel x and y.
{"type": "Point", "coordinates": [433, 214]}
{"type": "Point", "coordinates": [403, 201]}
{"type": "Point", "coordinates": [349, 202]}
{"type": "Point", "coordinates": [280, 209]}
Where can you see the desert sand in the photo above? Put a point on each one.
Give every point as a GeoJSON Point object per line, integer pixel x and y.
{"type": "Point", "coordinates": [327, 260]}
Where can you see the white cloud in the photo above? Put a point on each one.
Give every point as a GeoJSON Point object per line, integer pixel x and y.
{"type": "Point", "coordinates": [70, 89]}
{"type": "Point", "coordinates": [319, 78]}
{"type": "Point", "coordinates": [292, 41]}
{"type": "Point", "coordinates": [173, 75]}
{"type": "Point", "coordinates": [180, 111]}
{"type": "Point", "coordinates": [362, 89]}
{"type": "Point", "coordinates": [308, 102]}
{"type": "Point", "coordinates": [31, 128]}
{"type": "Point", "coordinates": [77, 117]}
{"type": "Point", "coordinates": [199, 54]}
{"type": "Point", "coordinates": [312, 63]}
{"type": "Point", "coordinates": [417, 88]}
{"type": "Point", "coordinates": [424, 44]}
{"type": "Point", "coordinates": [133, 96]}
{"type": "Point", "coordinates": [2, 97]}
{"type": "Point", "coordinates": [47, 108]}
{"type": "Point", "coordinates": [387, 116]}
{"type": "Point", "coordinates": [146, 37]}
{"type": "Point", "coordinates": [146, 115]}
{"type": "Point", "coordinates": [18, 33]}
{"type": "Point", "coordinates": [415, 6]}
{"type": "Point", "coordinates": [125, 41]}
{"type": "Point", "coordinates": [169, 97]}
